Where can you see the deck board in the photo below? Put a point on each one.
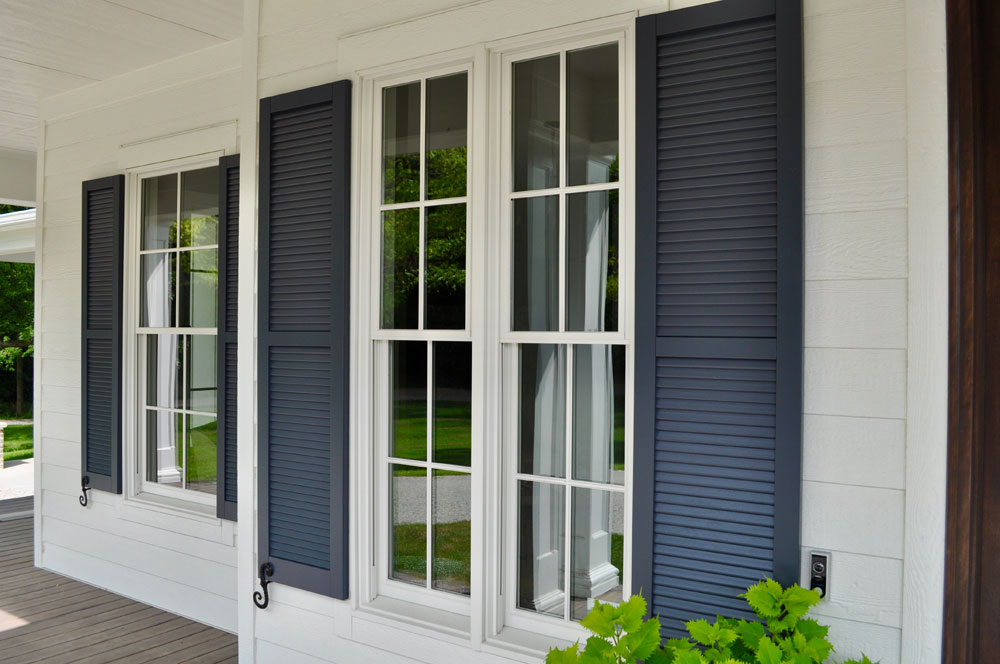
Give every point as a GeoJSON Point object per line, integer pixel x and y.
{"type": "Point", "coordinates": [12, 506]}
{"type": "Point", "coordinates": [49, 619]}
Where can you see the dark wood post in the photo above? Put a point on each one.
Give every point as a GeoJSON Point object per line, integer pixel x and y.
{"type": "Point", "coordinates": [972, 577]}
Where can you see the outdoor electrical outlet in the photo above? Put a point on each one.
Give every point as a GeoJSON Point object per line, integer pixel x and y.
{"type": "Point", "coordinates": [819, 572]}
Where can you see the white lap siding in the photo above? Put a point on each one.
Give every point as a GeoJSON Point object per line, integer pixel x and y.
{"type": "Point", "coordinates": [856, 289]}
{"type": "Point", "coordinates": [184, 564]}
{"type": "Point", "coordinates": [874, 82]}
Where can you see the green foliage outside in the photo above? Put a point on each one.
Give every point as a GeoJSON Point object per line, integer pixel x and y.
{"type": "Point", "coordinates": [452, 434]}
{"type": "Point", "coordinates": [444, 269]}
{"type": "Point", "coordinates": [202, 458]}
{"type": "Point", "coordinates": [18, 442]}
{"type": "Point", "coordinates": [783, 635]}
{"type": "Point", "coordinates": [452, 553]}
{"type": "Point", "coordinates": [17, 334]}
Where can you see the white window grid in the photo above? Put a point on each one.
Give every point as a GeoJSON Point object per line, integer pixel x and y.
{"type": "Point", "coordinates": [422, 205]}
{"type": "Point", "coordinates": [509, 614]}
{"type": "Point", "coordinates": [135, 347]}
{"type": "Point", "coordinates": [490, 608]}
{"type": "Point", "coordinates": [382, 339]}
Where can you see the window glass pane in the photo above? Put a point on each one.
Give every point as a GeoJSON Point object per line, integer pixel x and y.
{"type": "Point", "coordinates": [444, 273]}
{"type": "Point", "coordinates": [598, 535]}
{"type": "Point", "coordinates": [535, 129]}
{"type": "Point", "coordinates": [592, 114]}
{"type": "Point", "coordinates": [159, 212]}
{"type": "Point", "coordinates": [201, 453]}
{"type": "Point", "coordinates": [542, 409]}
{"type": "Point", "coordinates": [200, 207]}
{"type": "Point", "coordinates": [158, 287]}
{"type": "Point", "coordinates": [453, 402]}
{"type": "Point", "coordinates": [408, 427]}
{"type": "Point", "coordinates": [408, 515]}
{"type": "Point", "coordinates": [447, 136]}
{"type": "Point", "coordinates": [535, 268]}
{"type": "Point", "coordinates": [452, 513]}
{"type": "Point", "coordinates": [592, 262]}
{"type": "Point", "coordinates": [599, 413]}
{"type": "Point", "coordinates": [164, 447]}
{"type": "Point", "coordinates": [164, 369]}
{"type": "Point", "coordinates": [541, 538]}
{"type": "Point", "coordinates": [401, 143]}
{"type": "Point", "coordinates": [201, 370]}
{"type": "Point", "coordinates": [400, 269]}
{"type": "Point", "coordinates": [199, 287]}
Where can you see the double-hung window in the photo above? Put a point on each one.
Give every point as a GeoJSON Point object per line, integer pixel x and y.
{"type": "Point", "coordinates": [542, 267]}
{"type": "Point", "coordinates": [565, 353]}
{"type": "Point", "coordinates": [175, 245]}
{"type": "Point", "coordinates": [423, 345]}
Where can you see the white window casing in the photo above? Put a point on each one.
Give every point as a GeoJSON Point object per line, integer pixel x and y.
{"type": "Point", "coordinates": [490, 608]}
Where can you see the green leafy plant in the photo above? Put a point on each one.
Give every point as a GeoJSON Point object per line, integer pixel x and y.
{"type": "Point", "coordinates": [783, 634]}
{"type": "Point", "coordinates": [620, 635]}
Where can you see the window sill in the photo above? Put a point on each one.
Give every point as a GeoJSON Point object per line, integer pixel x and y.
{"type": "Point", "coordinates": [511, 643]}
{"type": "Point", "coordinates": [181, 516]}
{"type": "Point", "coordinates": [434, 622]}
{"type": "Point", "coordinates": [523, 645]}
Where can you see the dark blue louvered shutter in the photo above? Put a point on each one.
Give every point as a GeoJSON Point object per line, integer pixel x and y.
{"type": "Point", "coordinates": [719, 304]}
{"type": "Point", "coordinates": [229, 236]}
{"type": "Point", "coordinates": [304, 300]}
{"type": "Point", "coordinates": [101, 333]}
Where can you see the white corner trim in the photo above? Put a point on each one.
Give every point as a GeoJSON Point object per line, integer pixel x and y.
{"type": "Point", "coordinates": [246, 427]}
{"type": "Point", "coordinates": [206, 140]}
{"type": "Point", "coordinates": [36, 397]}
{"type": "Point", "coordinates": [927, 354]}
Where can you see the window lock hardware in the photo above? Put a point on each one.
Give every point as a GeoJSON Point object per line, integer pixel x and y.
{"type": "Point", "coordinates": [819, 572]}
{"type": "Point", "coordinates": [259, 599]}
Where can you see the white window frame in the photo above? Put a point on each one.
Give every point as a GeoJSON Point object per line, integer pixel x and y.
{"type": "Point", "coordinates": [508, 614]}
{"type": "Point", "coordinates": [138, 489]}
{"type": "Point", "coordinates": [378, 340]}
{"type": "Point", "coordinates": [488, 620]}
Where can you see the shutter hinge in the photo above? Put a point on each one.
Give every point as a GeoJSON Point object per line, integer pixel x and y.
{"type": "Point", "coordinates": [85, 486]}
{"type": "Point", "coordinates": [262, 600]}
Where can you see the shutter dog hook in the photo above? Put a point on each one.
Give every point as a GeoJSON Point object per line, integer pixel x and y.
{"type": "Point", "coordinates": [85, 485]}
{"type": "Point", "coordinates": [266, 570]}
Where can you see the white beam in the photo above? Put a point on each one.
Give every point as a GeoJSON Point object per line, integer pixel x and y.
{"type": "Point", "coordinates": [17, 237]}
{"type": "Point", "coordinates": [17, 177]}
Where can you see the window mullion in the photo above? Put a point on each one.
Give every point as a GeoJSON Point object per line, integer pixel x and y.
{"type": "Point", "coordinates": [421, 197]}
{"type": "Point", "coordinates": [185, 340]}
{"type": "Point", "coordinates": [177, 256]}
{"type": "Point", "coordinates": [568, 553]}
{"type": "Point", "coordinates": [427, 463]}
{"type": "Point", "coordinates": [561, 279]}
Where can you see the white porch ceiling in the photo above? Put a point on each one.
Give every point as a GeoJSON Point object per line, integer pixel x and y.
{"type": "Point", "coordinates": [51, 46]}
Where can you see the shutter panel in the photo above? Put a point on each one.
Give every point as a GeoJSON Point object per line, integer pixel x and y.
{"type": "Point", "coordinates": [101, 332]}
{"type": "Point", "coordinates": [304, 300]}
{"type": "Point", "coordinates": [719, 305]}
{"type": "Point", "coordinates": [229, 235]}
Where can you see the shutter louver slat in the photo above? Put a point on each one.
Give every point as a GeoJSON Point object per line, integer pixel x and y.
{"type": "Point", "coordinates": [303, 350]}
{"type": "Point", "coordinates": [227, 347]}
{"type": "Point", "coordinates": [718, 406]}
{"type": "Point", "coordinates": [101, 333]}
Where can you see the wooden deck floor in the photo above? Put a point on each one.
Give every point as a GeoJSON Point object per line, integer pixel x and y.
{"type": "Point", "coordinates": [45, 617]}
